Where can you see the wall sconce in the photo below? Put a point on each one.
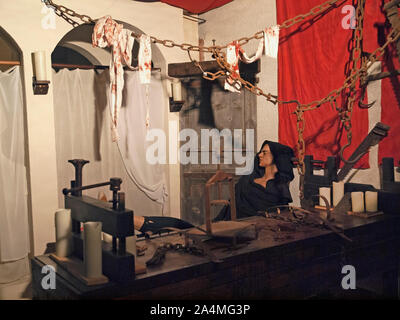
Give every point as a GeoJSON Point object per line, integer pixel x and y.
{"type": "Point", "coordinates": [39, 82]}
{"type": "Point", "coordinates": [176, 102]}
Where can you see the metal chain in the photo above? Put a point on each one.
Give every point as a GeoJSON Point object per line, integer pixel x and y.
{"type": "Point", "coordinates": [178, 247]}
{"type": "Point", "coordinates": [355, 64]}
{"type": "Point", "coordinates": [159, 254]}
{"type": "Point", "coordinates": [64, 12]}
{"type": "Point", "coordinates": [349, 84]}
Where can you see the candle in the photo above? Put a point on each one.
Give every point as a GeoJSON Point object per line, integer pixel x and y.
{"type": "Point", "coordinates": [338, 192]}
{"type": "Point", "coordinates": [63, 224]}
{"type": "Point", "coordinates": [176, 90]}
{"type": "Point", "coordinates": [92, 252]}
{"type": "Point", "coordinates": [168, 85]}
{"type": "Point", "coordinates": [107, 237]}
{"type": "Point", "coordinates": [357, 201]}
{"type": "Point", "coordinates": [371, 201]}
{"type": "Point", "coordinates": [39, 63]}
{"type": "Point", "coordinates": [326, 192]}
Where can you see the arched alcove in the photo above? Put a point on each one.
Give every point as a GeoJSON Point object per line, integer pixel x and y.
{"type": "Point", "coordinates": [75, 49]}
{"type": "Point", "coordinates": [9, 51]}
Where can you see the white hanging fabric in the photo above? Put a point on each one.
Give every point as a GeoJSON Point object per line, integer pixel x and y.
{"type": "Point", "coordinates": [108, 33]}
{"type": "Point", "coordinates": [145, 59]}
{"type": "Point", "coordinates": [271, 41]}
{"type": "Point", "coordinates": [82, 131]}
{"type": "Point", "coordinates": [260, 49]}
{"type": "Point", "coordinates": [268, 44]}
{"type": "Point", "coordinates": [133, 131]}
{"type": "Point", "coordinates": [14, 234]}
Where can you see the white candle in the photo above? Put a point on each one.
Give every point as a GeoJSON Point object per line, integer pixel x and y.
{"type": "Point", "coordinates": [338, 192]}
{"type": "Point", "coordinates": [107, 237]}
{"type": "Point", "coordinates": [371, 201]}
{"type": "Point", "coordinates": [39, 62]}
{"type": "Point", "coordinates": [63, 224]}
{"type": "Point", "coordinates": [92, 253]}
{"type": "Point", "coordinates": [326, 192]}
{"type": "Point", "coordinates": [168, 85]}
{"type": "Point", "coordinates": [357, 201]}
{"type": "Point", "coordinates": [176, 90]}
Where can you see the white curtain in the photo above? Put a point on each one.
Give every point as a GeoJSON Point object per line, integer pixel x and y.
{"type": "Point", "coordinates": [82, 125]}
{"type": "Point", "coordinates": [14, 234]}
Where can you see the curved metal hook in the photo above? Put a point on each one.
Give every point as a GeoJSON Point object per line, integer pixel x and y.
{"type": "Point", "coordinates": [364, 105]}
{"type": "Point", "coordinates": [350, 161]}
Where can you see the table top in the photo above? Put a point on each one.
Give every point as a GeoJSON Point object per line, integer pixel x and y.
{"type": "Point", "coordinates": [275, 238]}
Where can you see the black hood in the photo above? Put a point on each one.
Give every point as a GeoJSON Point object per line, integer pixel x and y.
{"type": "Point", "coordinates": [282, 158]}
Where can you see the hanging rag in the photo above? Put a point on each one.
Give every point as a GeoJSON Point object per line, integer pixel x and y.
{"type": "Point", "coordinates": [246, 59]}
{"type": "Point", "coordinates": [271, 41]}
{"type": "Point", "coordinates": [145, 70]}
{"type": "Point", "coordinates": [232, 57]}
{"type": "Point", "coordinates": [268, 44]}
{"type": "Point", "coordinates": [108, 33]}
{"type": "Point", "coordinates": [145, 59]}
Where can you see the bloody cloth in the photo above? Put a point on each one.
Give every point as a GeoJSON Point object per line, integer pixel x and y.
{"type": "Point", "coordinates": [312, 62]}
{"type": "Point", "coordinates": [252, 198]}
{"type": "Point", "coordinates": [108, 33]}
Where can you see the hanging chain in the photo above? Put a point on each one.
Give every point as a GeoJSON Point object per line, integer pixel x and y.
{"type": "Point", "coordinates": [301, 147]}
{"type": "Point", "coordinates": [355, 64]}
{"type": "Point", "coordinates": [159, 254]}
{"type": "Point", "coordinates": [65, 12]}
{"type": "Point", "coordinates": [358, 70]}
{"type": "Point", "coordinates": [62, 11]}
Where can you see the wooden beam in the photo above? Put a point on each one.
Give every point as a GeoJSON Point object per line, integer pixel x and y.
{"type": "Point", "coordinates": [188, 69]}
{"type": "Point", "coordinates": [10, 63]}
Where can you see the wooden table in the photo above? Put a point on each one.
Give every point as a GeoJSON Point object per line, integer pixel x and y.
{"type": "Point", "coordinates": [285, 261]}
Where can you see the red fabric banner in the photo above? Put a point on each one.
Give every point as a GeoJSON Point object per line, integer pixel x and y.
{"type": "Point", "coordinates": [312, 62]}
{"type": "Point", "coordinates": [197, 6]}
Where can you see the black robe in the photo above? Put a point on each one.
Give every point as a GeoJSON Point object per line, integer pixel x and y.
{"type": "Point", "coordinates": [251, 197]}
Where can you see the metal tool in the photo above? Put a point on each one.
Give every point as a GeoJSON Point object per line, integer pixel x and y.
{"type": "Point", "coordinates": [118, 265]}
{"type": "Point", "coordinates": [379, 132]}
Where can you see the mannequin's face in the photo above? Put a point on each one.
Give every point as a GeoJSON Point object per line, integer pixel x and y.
{"type": "Point", "coordinates": [265, 156]}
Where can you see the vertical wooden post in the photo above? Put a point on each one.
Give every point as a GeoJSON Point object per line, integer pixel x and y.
{"type": "Point", "coordinates": [201, 53]}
